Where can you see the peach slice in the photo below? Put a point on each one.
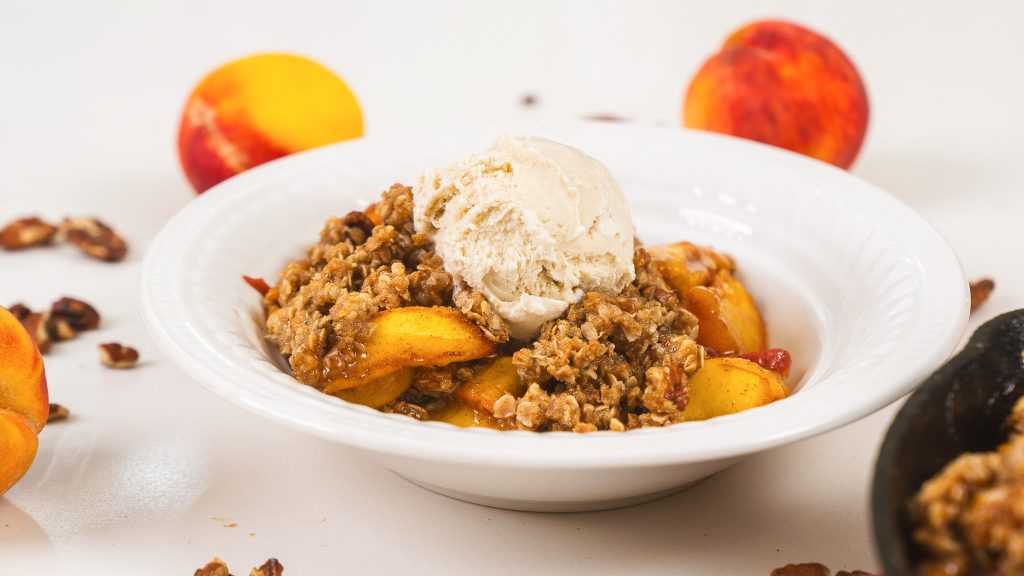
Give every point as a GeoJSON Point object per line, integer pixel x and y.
{"type": "Point", "coordinates": [461, 414]}
{"type": "Point", "coordinates": [729, 385]}
{"type": "Point", "coordinates": [785, 85]}
{"type": "Point", "coordinates": [259, 108]}
{"type": "Point", "coordinates": [411, 337]}
{"type": "Point", "coordinates": [728, 319]}
{"type": "Point", "coordinates": [24, 401]}
{"type": "Point", "coordinates": [685, 265]}
{"type": "Point", "coordinates": [498, 378]}
{"type": "Point", "coordinates": [381, 391]}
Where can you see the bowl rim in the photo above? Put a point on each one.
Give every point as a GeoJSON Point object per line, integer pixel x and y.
{"type": "Point", "coordinates": [796, 418]}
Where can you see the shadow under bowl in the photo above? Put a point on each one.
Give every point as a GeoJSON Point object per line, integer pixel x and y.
{"type": "Point", "coordinates": [960, 408]}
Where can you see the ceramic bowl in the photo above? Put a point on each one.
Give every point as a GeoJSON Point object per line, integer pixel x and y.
{"type": "Point", "coordinates": [866, 295]}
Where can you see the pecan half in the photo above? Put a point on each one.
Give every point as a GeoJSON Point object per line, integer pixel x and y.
{"type": "Point", "coordinates": [94, 238]}
{"type": "Point", "coordinates": [269, 568]}
{"type": "Point", "coordinates": [57, 413]}
{"type": "Point", "coordinates": [980, 291]}
{"type": "Point", "coordinates": [25, 233]}
{"type": "Point", "coordinates": [20, 311]}
{"type": "Point", "coordinates": [35, 325]}
{"type": "Point", "coordinates": [813, 569]}
{"type": "Point", "coordinates": [115, 355]}
{"type": "Point", "coordinates": [78, 315]}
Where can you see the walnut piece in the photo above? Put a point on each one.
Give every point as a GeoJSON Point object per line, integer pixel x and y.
{"type": "Point", "coordinates": [94, 238]}
{"type": "Point", "coordinates": [25, 233]}
{"type": "Point", "coordinates": [57, 412]}
{"type": "Point", "coordinates": [115, 355]}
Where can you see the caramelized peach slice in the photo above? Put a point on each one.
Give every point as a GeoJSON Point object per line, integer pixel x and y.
{"type": "Point", "coordinates": [728, 319]}
{"type": "Point", "coordinates": [381, 391]}
{"type": "Point", "coordinates": [685, 265]}
{"type": "Point", "coordinates": [729, 385]}
{"type": "Point", "coordinates": [412, 337]}
{"type": "Point", "coordinates": [500, 377]}
{"type": "Point", "coordinates": [459, 413]}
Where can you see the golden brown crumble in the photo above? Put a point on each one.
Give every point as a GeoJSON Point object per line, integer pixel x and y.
{"type": "Point", "coordinates": [970, 516]}
{"type": "Point", "coordinates": [611, 362]}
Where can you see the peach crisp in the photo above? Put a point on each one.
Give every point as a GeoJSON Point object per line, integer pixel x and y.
{"type": "Point", "coordinates": [385, 311]}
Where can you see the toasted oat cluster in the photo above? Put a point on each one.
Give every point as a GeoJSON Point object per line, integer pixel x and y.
{"type": "Point", "coordinates": [970, 516]}
{"type": "Point", "coordinates": [370, 315]}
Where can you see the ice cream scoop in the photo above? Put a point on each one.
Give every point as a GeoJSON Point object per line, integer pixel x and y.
{"type": "Point", "coordinates": [532, 224]}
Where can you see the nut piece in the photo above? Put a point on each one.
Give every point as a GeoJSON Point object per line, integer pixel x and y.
{"type": "Point", "coordinates": [215, 567]}
{"type": "Point", "coordinates": [35, 324]}
{"type": "Point", "coordinates": [980, 291]}
{"type": "Point", "coordinates": [813, 569]}
{"type": "Point", "coordinates": [94, 238]}
{"type": "Point", "coordinates": [57, 412]}
{"type": "Point", "coordinates": [270, 568]}
{"type": "Point", "coordinates": [20, 311]}
{"type": "Point", "coordinates": [115, 355]}
{"type": "Point", "coordinates": [25, 233]}
{"type": "Point", "coordinates": [78, 315]}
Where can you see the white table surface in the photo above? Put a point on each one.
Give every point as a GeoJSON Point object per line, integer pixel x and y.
{"type": "Point", "coordinates": [154, 475]}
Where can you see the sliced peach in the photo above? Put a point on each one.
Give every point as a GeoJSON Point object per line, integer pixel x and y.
{"type": "Point", "coordinates": [500, 377]}
{"type": "Point", "coordinates": [410, 337]}
{"type": "Point", "coordinates": [729, 385]}
{"type": "Point", "coordinates": [728, 319]}
{"type": "Point", "coordinates": [24, 402]}
{"type": "Point", "coordinates": [685, 265]}
{"type": "Point", "coordinates": [459, 413]}
{"type": "Point", "coordinates": [381, 391]}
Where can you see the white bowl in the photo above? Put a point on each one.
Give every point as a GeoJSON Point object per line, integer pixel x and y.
{"type": "Point", "coordinates": [865, 294]}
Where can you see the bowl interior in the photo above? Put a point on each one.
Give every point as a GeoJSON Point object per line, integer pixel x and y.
{"type": "Point", "coordinates": [866, 296]}
{"type": "Point", "coordinates": [961, 408]}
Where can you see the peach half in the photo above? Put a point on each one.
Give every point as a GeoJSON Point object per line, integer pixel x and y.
{"type": "Point", "coordinates": [259, 108]}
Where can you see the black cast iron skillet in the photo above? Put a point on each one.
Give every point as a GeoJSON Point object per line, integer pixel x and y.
{"type": "Point", "coordinates": [960, 408]}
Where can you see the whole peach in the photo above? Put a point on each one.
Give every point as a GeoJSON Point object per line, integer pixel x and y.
{"type": "Point", "coordinates": [24, 401]}
{"type": "Point", "coordinates": [259, 108]}
{"type": "Point", "coordinates": [782, 84]}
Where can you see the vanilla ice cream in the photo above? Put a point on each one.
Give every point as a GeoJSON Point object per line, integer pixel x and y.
{"type": "Point", "coordinates": [530, 223]}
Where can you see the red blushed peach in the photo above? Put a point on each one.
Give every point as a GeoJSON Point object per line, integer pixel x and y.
{"type": "Point", "coordinates": [259, 108]}
{"type": "Point", "coordinates": [785, 85]}
{"type": "Point", "coordinates": [24, 402]}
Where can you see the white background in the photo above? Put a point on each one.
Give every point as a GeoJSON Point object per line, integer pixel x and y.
{"type": "Point", "coordinates": [151, 468]}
